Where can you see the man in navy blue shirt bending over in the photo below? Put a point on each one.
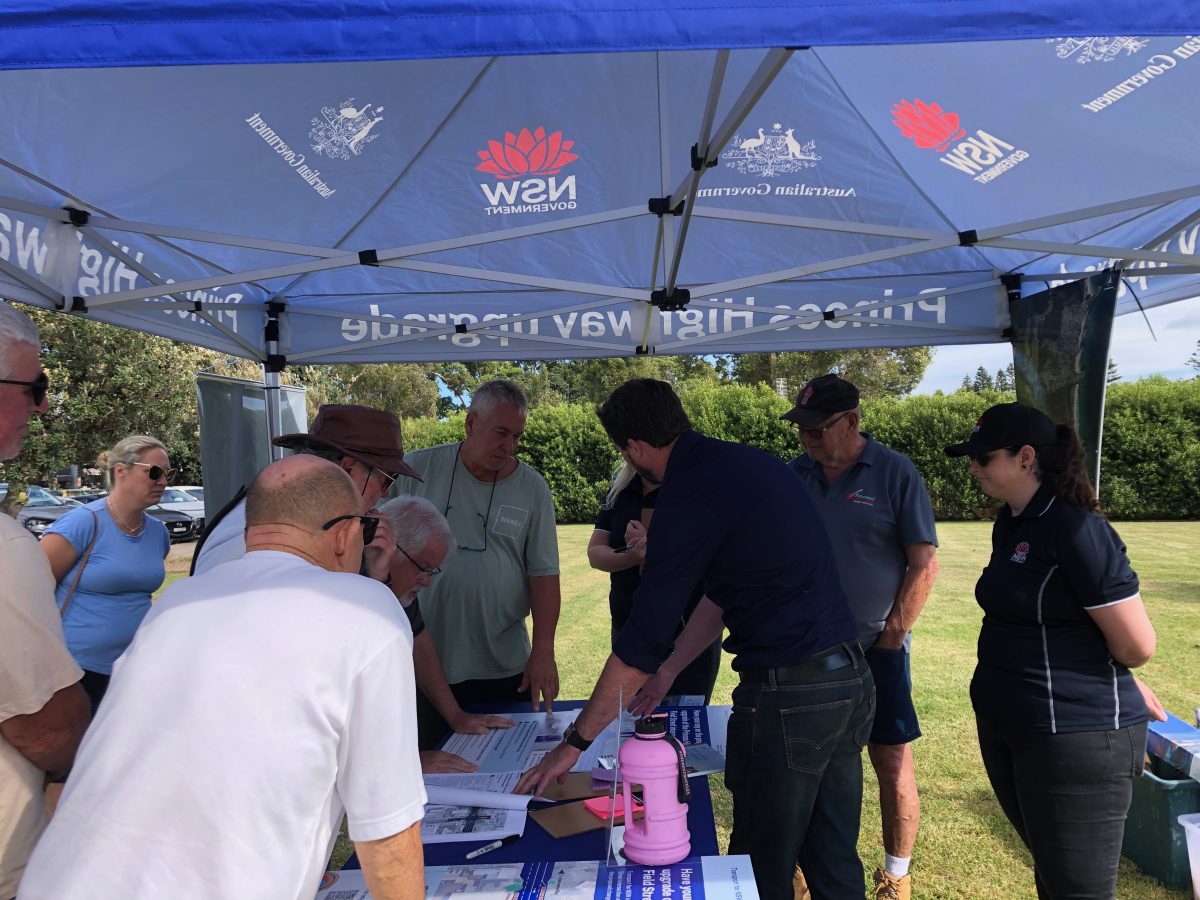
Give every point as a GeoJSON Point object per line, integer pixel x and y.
{"type": "Point", "coordinates": [738, 521]}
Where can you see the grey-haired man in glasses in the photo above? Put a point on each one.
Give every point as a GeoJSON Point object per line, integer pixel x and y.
{"type": "Point", "coordinates": [43, 709]}
{"type": "Point", "coordinates": [880, 522]}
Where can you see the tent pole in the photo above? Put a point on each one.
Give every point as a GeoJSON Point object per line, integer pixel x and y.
{"type": "Point", "coordinates": [274, 416]}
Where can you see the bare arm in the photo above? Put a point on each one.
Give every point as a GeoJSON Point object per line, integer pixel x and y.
{"type": "Point", "coordinates": [431, 679]}
{"type": "Point", "coordinates": [60, 553]}
{"type": "Point", "coordinates": [703, 627]}
{"type": "Point", "coordinates": [394, 867]}
{"type": "Point", "coordinates": [605, 558]}
{"type": "Point", "coordinates": [1127, 631]}
{"type": "Point", "coordinates": [616, 681]}
{"type": "Point", "coordinates": [910, 600]}
{"type": "Point", "coordinates": [49, 737]}
{"type": "Point", "coordinates": [541, 672]}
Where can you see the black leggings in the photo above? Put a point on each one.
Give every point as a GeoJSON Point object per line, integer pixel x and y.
{"type": "Point", "coordinates": [1067, 796]}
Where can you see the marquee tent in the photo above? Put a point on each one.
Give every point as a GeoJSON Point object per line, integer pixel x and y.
{"type": "Point", "coordinates": [386, 181]}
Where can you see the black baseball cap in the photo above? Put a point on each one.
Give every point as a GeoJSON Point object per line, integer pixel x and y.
{"type": "Point", "coordinates": [1007, 425]}
{"type": "Point", "coordinates": [821, 398]}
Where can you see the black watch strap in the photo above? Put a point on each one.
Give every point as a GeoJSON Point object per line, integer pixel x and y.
{"type": "Point", "coordinates": [574, 739]}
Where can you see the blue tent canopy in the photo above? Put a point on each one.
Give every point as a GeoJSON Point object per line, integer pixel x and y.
{"type": "Point", "coordinates": [380, 182]}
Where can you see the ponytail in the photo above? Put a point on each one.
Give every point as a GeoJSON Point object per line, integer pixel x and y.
{"type": "Point", "coordinates": [1063, 467]}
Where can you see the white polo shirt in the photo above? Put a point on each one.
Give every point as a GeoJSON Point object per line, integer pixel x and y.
{"type": "Point", "coordinates": [256, 704]}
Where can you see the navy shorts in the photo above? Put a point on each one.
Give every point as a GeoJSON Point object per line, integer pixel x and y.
{"type": "Point", "coordinates": [895, 717]}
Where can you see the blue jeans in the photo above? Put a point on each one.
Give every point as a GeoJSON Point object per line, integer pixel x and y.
{"type": "Point", "coordinates": [794, 768]}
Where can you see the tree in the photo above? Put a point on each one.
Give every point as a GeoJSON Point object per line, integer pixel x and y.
{"type": "Point", "coordinates": [1194, 359]}
{"type": "Point", "coordinates": [882, 371]}
{"type": "Point", "coordinates": [406, 389]}
{"type": "Point", "coordinates": [1006, 379]}
{"type": "Point", "coordinates": [1112, 376]}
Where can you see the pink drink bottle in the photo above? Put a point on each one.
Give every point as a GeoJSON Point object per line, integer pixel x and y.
{"type": "Point", "coordinates": [653, 759]}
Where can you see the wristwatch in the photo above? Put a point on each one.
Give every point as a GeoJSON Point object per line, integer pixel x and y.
{"type": "Point", "coordinates": [573, 738]}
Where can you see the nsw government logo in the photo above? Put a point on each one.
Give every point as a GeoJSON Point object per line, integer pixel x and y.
{"type": "Point", "coordinates": [983, 156]}
{"type": "Point", "coordinates": [342, 132]}
{"type": "Point", "coordinates": [528, 169]}
{"type": "Point", "coordinates": [1020, 552]}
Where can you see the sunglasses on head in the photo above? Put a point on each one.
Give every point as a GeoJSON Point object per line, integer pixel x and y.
{"type": "Point", "coordinates": [37, 387]}
{"type": "Point", "coordinates": [156, 472]}
{"type": "Point", "coordinates": [369, 524]}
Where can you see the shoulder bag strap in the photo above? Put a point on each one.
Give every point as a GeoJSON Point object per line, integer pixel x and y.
{"type": "Point", "coordinates": [79, 571]}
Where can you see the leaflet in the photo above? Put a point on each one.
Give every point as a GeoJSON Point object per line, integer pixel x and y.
{"type": "Point", "coordinates": [698, 878]}
{"type": "Point", "coordinates": [452, 824]}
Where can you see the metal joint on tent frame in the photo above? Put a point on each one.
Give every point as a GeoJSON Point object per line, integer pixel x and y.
{"type": "Point", "coordinates": [1012, 284]}
{"type": "Point", "coordinates": [276, 362]}
{"type": "Point", "coordinates": [78, 305]}
{"type": "Point", "coordinates": [828, 315]}
{"type": "Point", "coordinates": [677, 301]}
{"type": "Point", "coordinates": [77, 217]}
{"type": "Point", "coordinates": [968, 238]}
{"type": "Point", "coordinates": [368, 257]}
{"type": "Point", "coordinates": [699, 162]}
{"type": "Point", "coordinates": [660, 206]}
{"type": "Point", "coordinates": [271, 328]}
{"type": "Point", "coordinates": [460, 328]}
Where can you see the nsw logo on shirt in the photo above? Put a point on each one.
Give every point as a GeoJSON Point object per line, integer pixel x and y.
{"type": "Point", "coordinates": [1020, 553]}
{"type": "Point", "coordinates": [861, 498]}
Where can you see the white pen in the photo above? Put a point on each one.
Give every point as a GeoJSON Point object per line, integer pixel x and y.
{"type": "Point", "coordinates": [494, 845]}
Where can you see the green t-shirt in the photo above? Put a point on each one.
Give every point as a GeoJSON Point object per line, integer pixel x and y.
{"type": "Point", "coordinates": [475, 610]}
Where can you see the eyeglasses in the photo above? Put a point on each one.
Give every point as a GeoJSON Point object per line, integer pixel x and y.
{"type": "Point", "coordinates": [369, 524]}
{"type": "Point", "coordinates": [156, 472]}
{"type": "Point", "coordinates": [37, 387]}
{"type": "Point", "coordinates": [818, 432]}
{"type": "Point", "coordinates": [984, 457]}
{"type": "Point", "coordinates": [428, 573]}
{"type": "Point", "coordinates": [485, 516]}
{"type": "Point", "coordinates": [388, 480]}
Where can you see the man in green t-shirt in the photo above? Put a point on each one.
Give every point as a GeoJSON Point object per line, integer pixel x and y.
{"type": "Point", "coordinates": [506, 567]}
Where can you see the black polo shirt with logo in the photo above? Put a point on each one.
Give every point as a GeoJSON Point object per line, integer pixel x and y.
{"type": "Point", "coordinates": [1043, 662]}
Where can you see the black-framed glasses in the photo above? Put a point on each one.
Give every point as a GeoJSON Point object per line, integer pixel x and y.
{"type": "Point", "coordinates": [369, 524]}
{"type": "Point", "coordinates": [428, 573]}
{"type": "Point", "coordinates": [156, 472]}
{"type": "Point", "coordinates": [820, 430]}
{"type": "Point", "coordinates": [37, 387]}
{"type": "Point", "coordinates": [485, 516]}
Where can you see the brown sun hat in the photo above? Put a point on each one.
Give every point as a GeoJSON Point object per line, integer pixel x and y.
{"type": "Point", "coordinates": [371, 436]}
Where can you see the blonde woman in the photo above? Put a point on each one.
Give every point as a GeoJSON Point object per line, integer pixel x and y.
{"type": "Point", "coordinates": [107, 594]}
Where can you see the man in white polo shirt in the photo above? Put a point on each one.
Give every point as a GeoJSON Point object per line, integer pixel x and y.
{"type": "Point", "coordinates": [257, 704]}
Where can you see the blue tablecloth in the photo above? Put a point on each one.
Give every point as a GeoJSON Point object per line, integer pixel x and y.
{"type": "Point", "coordinates": [537, 844]}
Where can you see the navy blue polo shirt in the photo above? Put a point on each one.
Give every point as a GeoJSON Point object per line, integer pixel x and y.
{"type": "Point", "coordinates": [874, 511]}
{"type": "Point", "coordinates": [627, 507]}
{"type": "Point", "coordinates": [738, 522]}
{"type": "Point", "coordinates": [1043, 662]}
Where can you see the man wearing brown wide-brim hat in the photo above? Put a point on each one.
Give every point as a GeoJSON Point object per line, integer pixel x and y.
{"type": "Point", "coordinates": [369, 446]}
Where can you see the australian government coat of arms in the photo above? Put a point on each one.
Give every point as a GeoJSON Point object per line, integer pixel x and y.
{"type": "Point", "coordinates": [342, 132]}
{"type": "Point", "coordinates": [772, 153]}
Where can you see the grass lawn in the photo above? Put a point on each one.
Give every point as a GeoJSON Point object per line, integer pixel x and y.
{"type": "Point", "coordinates": [965, 847]}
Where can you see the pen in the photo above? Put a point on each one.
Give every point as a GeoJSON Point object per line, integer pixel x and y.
{"type": "Point", "coordinates": [494, 845]}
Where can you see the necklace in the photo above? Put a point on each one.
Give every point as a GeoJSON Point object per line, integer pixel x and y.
{"type": "Point", "coordinates": [132, 532]}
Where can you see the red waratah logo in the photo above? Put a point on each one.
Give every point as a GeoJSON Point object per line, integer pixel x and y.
{"type": "Point", "coordinates": [927, 124]}
{"type": "Point", "coordinates": [808, 392]}
{"type": "Point", "coordinates": [526, 153]}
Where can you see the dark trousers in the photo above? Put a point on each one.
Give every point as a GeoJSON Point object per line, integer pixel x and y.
{"type": "Point", "coordinates": [699, 676]}
{"type": "Point", "coordinates": [794, 767]}
{"type": "Point", "coordinates": [1067, 796]}
{"type": "Point", "coordinates": [95, 686]}
{"type": "Point", "coordinates": [431, 727]}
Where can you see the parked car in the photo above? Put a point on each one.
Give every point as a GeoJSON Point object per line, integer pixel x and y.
{"type": "Point", "coordinates": [182, 501]}
{"type": "Point", "coordinates": [42, 509]}
{"type": "Point", "coordinates": [194, 490]}
{"type": "Point", "coordinates": [180, 526]}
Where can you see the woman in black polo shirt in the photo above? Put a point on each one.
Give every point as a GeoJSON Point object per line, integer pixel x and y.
{"type": "Point", "coordinates": [1061, 721]}
{"type": "Point", "coordinates": [618, 546]}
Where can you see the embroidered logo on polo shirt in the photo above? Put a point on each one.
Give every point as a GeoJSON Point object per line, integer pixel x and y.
{"type": "Point", "coordinates": [1020, 553]}
{"type": "Point", "coordinates": [859, 497]}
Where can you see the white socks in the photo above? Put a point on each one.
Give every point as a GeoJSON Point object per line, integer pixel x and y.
{"type": "Point", "coordinates": [896, 865]}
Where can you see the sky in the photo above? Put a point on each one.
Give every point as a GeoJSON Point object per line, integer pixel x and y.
{"type": "Point", "coordinates": [1134, 349]}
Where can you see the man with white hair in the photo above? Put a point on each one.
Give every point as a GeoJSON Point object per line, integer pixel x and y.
{"type": "Point", "coordinates": [43, 708]}
{"type": "Point", "coordinates": [506, 567]}
{"type": "Point", "coordinates": [257, 703]}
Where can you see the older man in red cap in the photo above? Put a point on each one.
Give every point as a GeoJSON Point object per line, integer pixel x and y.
{"type": "Point", "coordinates": [368, 445]}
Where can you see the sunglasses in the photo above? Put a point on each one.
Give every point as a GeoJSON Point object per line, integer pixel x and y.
{"type": "Point", "coordinates": [369, 524]}
{"type": "Point", "coordinates": [37, 387]}
{"type": "Point", "coordinates": [156, 472]}
{"type": "Point", "coordinates": [818, 432]}
{"type": "Point", "coordinates": [428, 573]}
{"type": "Point", "coordinates": [984, 457]}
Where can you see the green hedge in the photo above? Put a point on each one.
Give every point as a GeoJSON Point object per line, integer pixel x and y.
{"type": "Point", "coordinates": [1150, 467]}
